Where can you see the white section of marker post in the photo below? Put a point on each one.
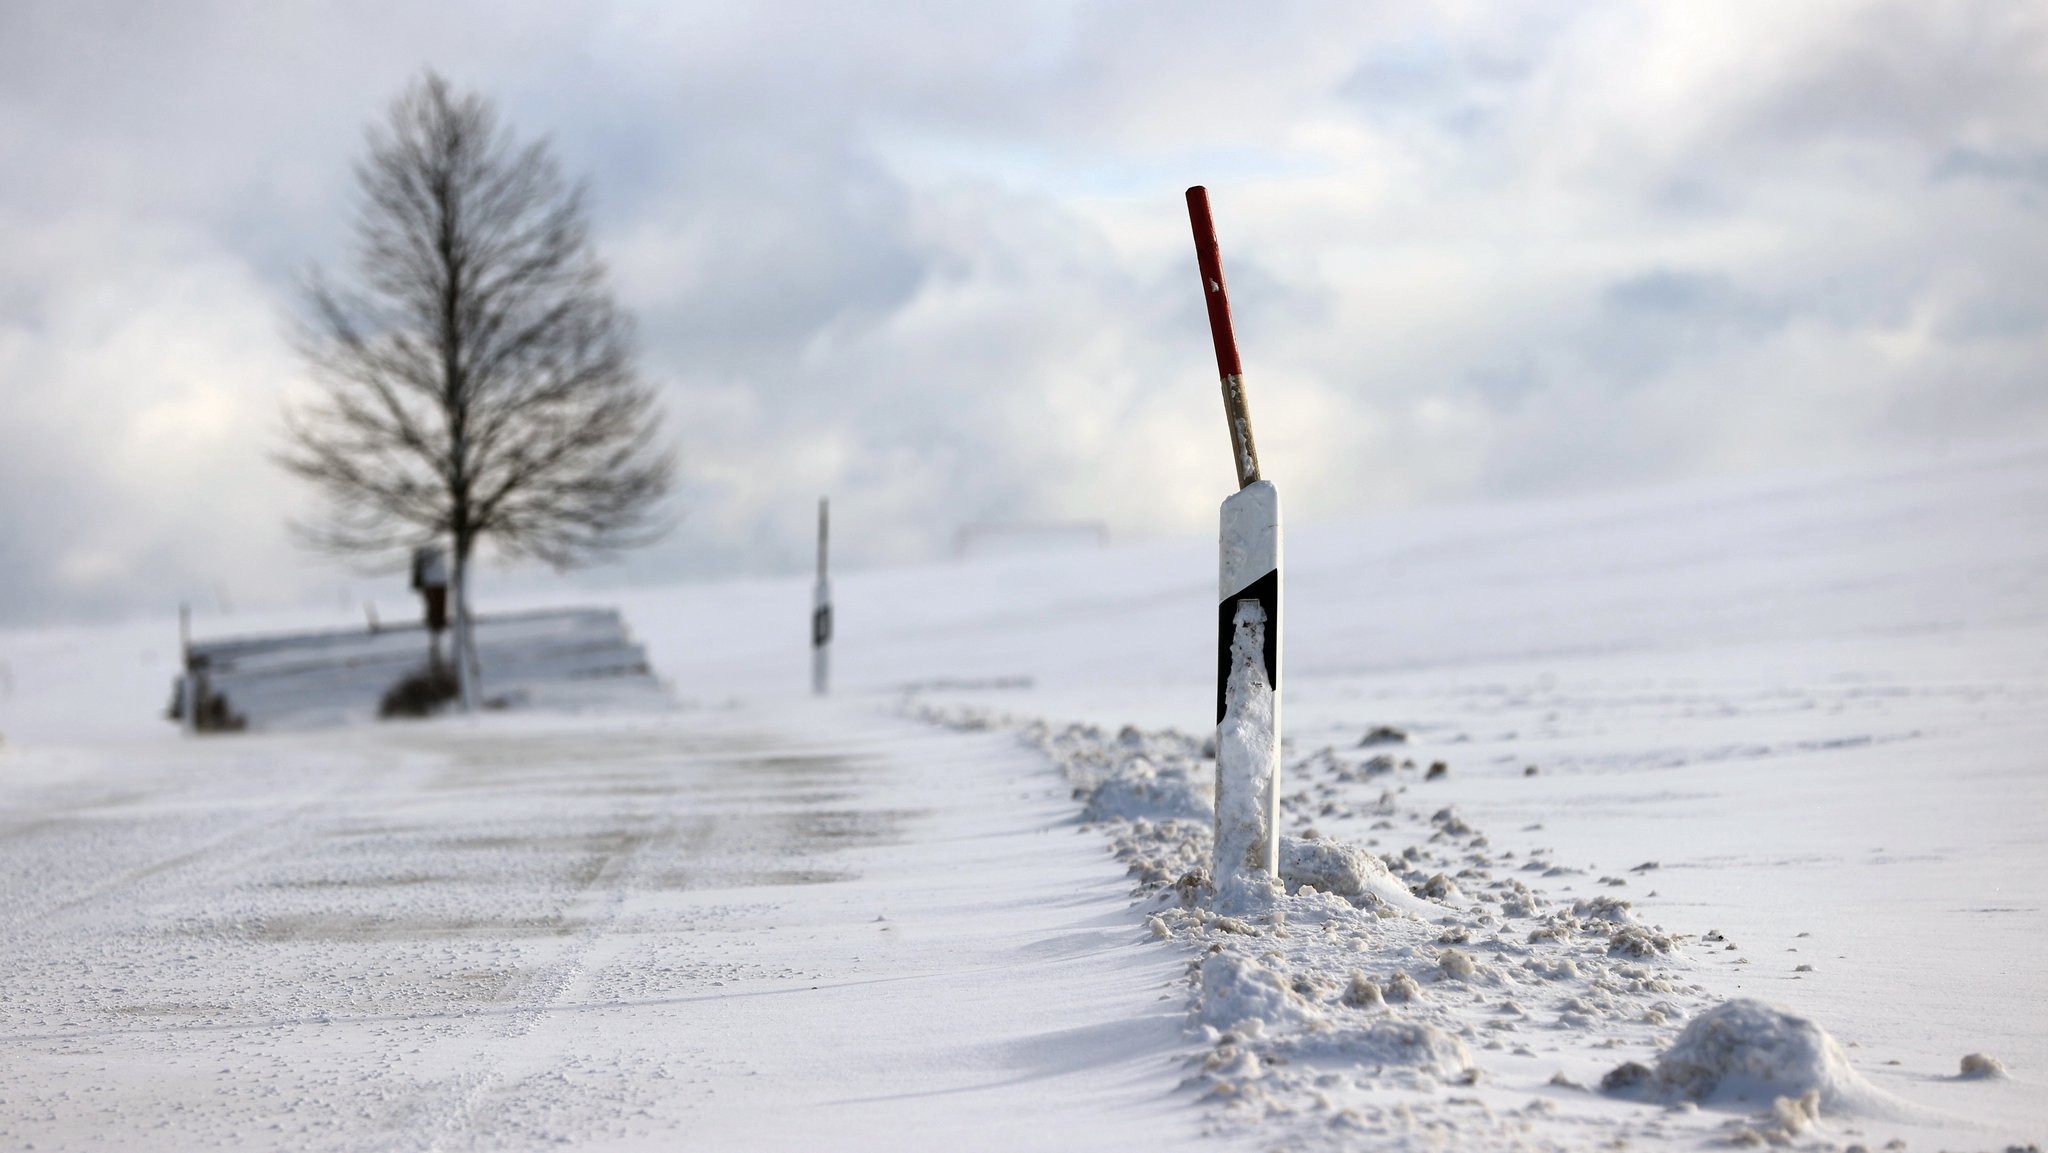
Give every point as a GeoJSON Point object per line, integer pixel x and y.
{"type": "Point", "coordinates": [1251, 539]}
{"type": "Point", "coordinates": [821, 611]}
{"type": "Point", "coordinates": [1248, 684]}
{"type": "Point", "coordinates": [1248, 610]}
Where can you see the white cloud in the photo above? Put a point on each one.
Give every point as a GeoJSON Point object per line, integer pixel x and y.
{"type": "Point", "coordinates": [933, 260]}
{"type": "Point", "coordinates": [140, 388]}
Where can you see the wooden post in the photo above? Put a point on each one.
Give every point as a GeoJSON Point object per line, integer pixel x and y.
{"type": "Point", "coordinates": [821, 610]}
{"type": "Point", "coordinates": [1248, 609]}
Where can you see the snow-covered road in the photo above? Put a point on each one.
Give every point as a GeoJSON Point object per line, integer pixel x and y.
{"type": "Point", "coordinates": [702, 928]}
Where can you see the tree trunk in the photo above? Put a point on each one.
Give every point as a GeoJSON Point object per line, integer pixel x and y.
{"type": "Point", "coordinates": [465, 649]}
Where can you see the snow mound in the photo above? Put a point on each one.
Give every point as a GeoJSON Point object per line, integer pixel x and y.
{"type": "Point", "coordinates": [1982, 1067]}
{"type": "Point", "coordinates": [1612, 910]}
{"type": "Point", "coordinates": [1344, 870]}
{"type": "Point", "coordinates": [1257, 1002]}
{"type": "Point", "coordinates": [1139, 789]}
{"type": "Point", "coordinates": [1414, 1044]}
{"type": "Point", "coordinates": [1245, 997]}
{"type": "Point", "coordinates": [1749, 1052]}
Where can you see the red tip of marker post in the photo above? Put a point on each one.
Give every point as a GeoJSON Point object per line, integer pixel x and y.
{"type": "Point", "coordinates": [1217, 297]}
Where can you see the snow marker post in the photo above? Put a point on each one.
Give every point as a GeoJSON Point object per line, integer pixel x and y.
{"type": "Point", "coordinates": [188, 689]}
{"type": "Point", "coordinates": [1248, 609]}
{"type": "Point", "coordinates": [821, 613]}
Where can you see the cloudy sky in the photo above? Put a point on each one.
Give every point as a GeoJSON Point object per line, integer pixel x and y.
{"type": "Point", "coordinates": [933, 259]}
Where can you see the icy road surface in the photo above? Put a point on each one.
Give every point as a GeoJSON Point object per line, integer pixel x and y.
{"type": "Point", "coordinates": [692, 930]}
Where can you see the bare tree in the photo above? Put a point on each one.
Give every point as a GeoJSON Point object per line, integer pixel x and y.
{"type": "Point", "coordinates": [477, 384]}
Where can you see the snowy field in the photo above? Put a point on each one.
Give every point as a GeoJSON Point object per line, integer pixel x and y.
{"type": "Point", "coordinates": [1776, 742]}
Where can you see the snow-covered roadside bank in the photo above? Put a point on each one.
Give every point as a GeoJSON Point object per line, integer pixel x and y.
{"type": "Point", "coordinates": [816, 928]}
{"type": "Point", "coordinates": [1799, 727]}
{"type": "Point", "coordinates": [1798, 733]}
{"type": "Point", "coordinates": [1439, 991]}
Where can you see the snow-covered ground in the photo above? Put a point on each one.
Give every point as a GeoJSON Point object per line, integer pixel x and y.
{"type": "Point", "coordinates": [704, 930]}
{"type": "Point", "coordinates": [1797, 723]}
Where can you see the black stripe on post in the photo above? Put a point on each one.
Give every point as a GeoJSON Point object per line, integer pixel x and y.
{"type": "Point", "coordinates": [1266, 591]}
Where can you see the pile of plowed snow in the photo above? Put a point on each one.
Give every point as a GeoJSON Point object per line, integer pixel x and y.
{"type": "Point", "coordinates": [1404, 969]}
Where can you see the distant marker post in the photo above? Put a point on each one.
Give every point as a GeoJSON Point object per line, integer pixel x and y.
{"type": "Point", "coordinates": [821, 611]}
{"type": "Point", "coordinates": [188, 689]}
{"type": "Point", "coordinates": [1248, 609]}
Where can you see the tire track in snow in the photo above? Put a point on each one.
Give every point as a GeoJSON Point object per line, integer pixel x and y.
{"type": "Point", "coordinates": [600, 895]}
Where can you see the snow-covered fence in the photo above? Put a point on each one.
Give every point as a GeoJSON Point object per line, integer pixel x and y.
{"type": "Point", "coordinates": [306, 679]}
